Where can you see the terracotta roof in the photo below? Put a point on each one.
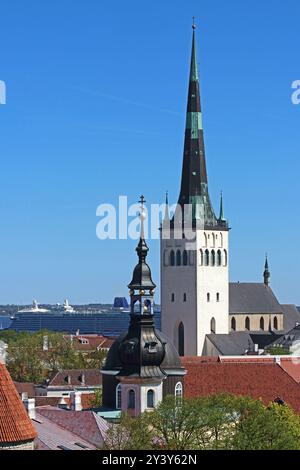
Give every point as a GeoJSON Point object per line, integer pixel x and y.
{"type": "Point", "coordinates": [292, 367]}
{"type": "Point", "coordinates": [92, 377]}
{"type": "Point", "coordinates": [15, 425]}
{"type": "Point", "coordinates": [265, 381]}
{"type": "Point", "coordinates": [86, 425]}
{"type": "Point", "coordinates": [90, 342]}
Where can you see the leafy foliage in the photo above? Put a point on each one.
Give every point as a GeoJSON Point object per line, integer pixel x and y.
{"type": "Point", "coordinates": [214, 422]}
{"type": "Point", "coordinates": [28, 361]}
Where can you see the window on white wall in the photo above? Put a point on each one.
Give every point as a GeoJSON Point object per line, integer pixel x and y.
{"type": "Point", "coordinates": [208, 297]}
{"type": "Point", "coordinates": [213, 325]}
{"type": "Point", "coordinates": [150, 399]}
{"type": "Point", "coordinates": [218, 297]}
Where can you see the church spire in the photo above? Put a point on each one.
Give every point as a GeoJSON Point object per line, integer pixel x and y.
{"type": "Point", "coordinates": [166, 218]}
{"type": "Point", "coordinates": [141, 278]}
{"type": "Point", "coordinates": [221, 216]}
{"type": "Point", "coordinates": [194, 186]}
{"type": "Point", "coordinates": [267, 274]}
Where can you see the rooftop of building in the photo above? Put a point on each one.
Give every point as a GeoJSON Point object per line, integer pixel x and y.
{"type": "Point", "coordinates": [15, 425]}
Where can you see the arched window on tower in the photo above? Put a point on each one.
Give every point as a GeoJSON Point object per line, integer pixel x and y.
{"type": "Point", "coordinates": [131, 399]}
{"type": "Point", "coordinates": [178, 258]}
{"type": "Point", "coordinates": [206, 260]}
{"type": "Point", "coordinates": [184, 297]}
{"type": "Point", "coordinates": [213, 258]}
{"type": "Point", "coordinates": [150, 399]}
{"type": "Point", "coordinates": [218, 297]}
{"type": "Point", "coordinates": [178, 391]}
{"type": "Point", "coordinates": [201, 258]}
{"type": "Point", "coordinates": [262, 323]}
{"type": "Point", "coordinates": [233, 324]}
{"type": "Point", "coordinates": [181, 339]}
{"type": "Point", "coordinates": [213, 325]}
{"type": "Point", "coordinates": [172, 258]}
{"type": "Point", "coordinates": [221, 239]}
{"type": "Point", "coordinates": [208, 297]}
{"type": "Point", "coordinates": [213, 240]}
{"type": "Point", "coordinates": [172, 297]}
{"type": "Point", "coordinates": [275, 323]}
{"type": "Point", "coordinates": [118, 397]}
{"type": "Point", "coordinates": [225, 257]}
{"type": "Point", "coordinates": [166, 257]}
{"type": "Point", "coordinates": [247, 323]}
{"type": "Point", "coordinates": [219, 258]}
{"type": "Point", "coordinates": [185, 258]}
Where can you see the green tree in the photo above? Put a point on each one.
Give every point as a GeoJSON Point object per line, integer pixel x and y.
{"type": "Point", "coordinates": [129, 434]}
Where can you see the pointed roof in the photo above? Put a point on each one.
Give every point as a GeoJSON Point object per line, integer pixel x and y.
{"type": "Point", "coordinates": [194, 185]}
{"type": "Point", "coordinates": [141, 278]}
{"type": "Point", "coordinates": [15, 425]}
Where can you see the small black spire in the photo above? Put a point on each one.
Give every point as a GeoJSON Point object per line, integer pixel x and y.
{"type": "Point", "coordinates": [166, 218]}
{"type": "Point", "coordinates": [267, 274]}
{"type": "Point", "coordinates": [141, 278]}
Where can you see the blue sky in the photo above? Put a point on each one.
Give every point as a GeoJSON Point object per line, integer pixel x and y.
{"type": "Point", "coordinates": [96, 98]}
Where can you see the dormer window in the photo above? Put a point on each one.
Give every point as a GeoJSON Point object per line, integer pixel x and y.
{"type": "Point", "coordinates": [151, 347]}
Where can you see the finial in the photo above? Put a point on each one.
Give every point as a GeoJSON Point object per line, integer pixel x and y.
{"type": "Point", "coordinates": [142, 216]}
{"type": "Point", "coordinates": [193, 25]}
{"type": "Point", "coordinates": [167, 197]}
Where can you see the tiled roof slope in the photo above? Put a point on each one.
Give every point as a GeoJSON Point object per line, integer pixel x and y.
{"type": "Point", "coordinates": [251, 297]}
{"type": "Point", "coordinates": [91, 377]}
{"type": "Point", "coordinates": [54, 437]}
{"type": "Point", "coordinates": [260, 381]}
{"type": "Point", "coordinates": [85, 424]}
{"type": "Point", "coordinates": [291, 316]}
{"type": "Point", "coordinates": [15, 425]}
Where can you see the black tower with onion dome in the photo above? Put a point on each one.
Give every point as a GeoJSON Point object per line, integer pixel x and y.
{"type": "Point", "coordinates": [142, 365]}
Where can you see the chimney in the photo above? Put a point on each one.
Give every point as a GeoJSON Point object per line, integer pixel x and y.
{"type": "Point", "coordinates": [256, 348]}
{"type": "Point", "coordinates": [277, 360]}
{"type": "Point", "coordinates": [77, 333]}
{"type": "Point", "coordinates": [76, 404]}
{"type": "Point", "coordinates": [29, 404]}
{"type": "Point", "coordinates": [82, 379]}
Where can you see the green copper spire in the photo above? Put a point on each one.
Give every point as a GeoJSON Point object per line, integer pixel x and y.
{"type": "Point", "coordinates": [194, 77]}
{"type": "Point", "coordinates": [221, 217]}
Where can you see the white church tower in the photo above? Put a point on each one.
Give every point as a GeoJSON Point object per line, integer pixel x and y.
{"type": "Point", "coordinates": [194, 246]}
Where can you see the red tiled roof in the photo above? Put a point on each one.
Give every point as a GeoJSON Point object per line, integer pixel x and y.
{"type": "Point", "coordinates": [291, 364]}
{"type": "Point", "coordinates": [15, 425]}
{"type": "Point", "coordinates": [265, 381]}
{"type": "Point", "coordinates": [94, 342]}
{"type": "Point", "coordinates": [85, 424]}
{"type": "Point", "coordinates": [291, 367]}
{"type": "Point", "coordinates": [92, 377]}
